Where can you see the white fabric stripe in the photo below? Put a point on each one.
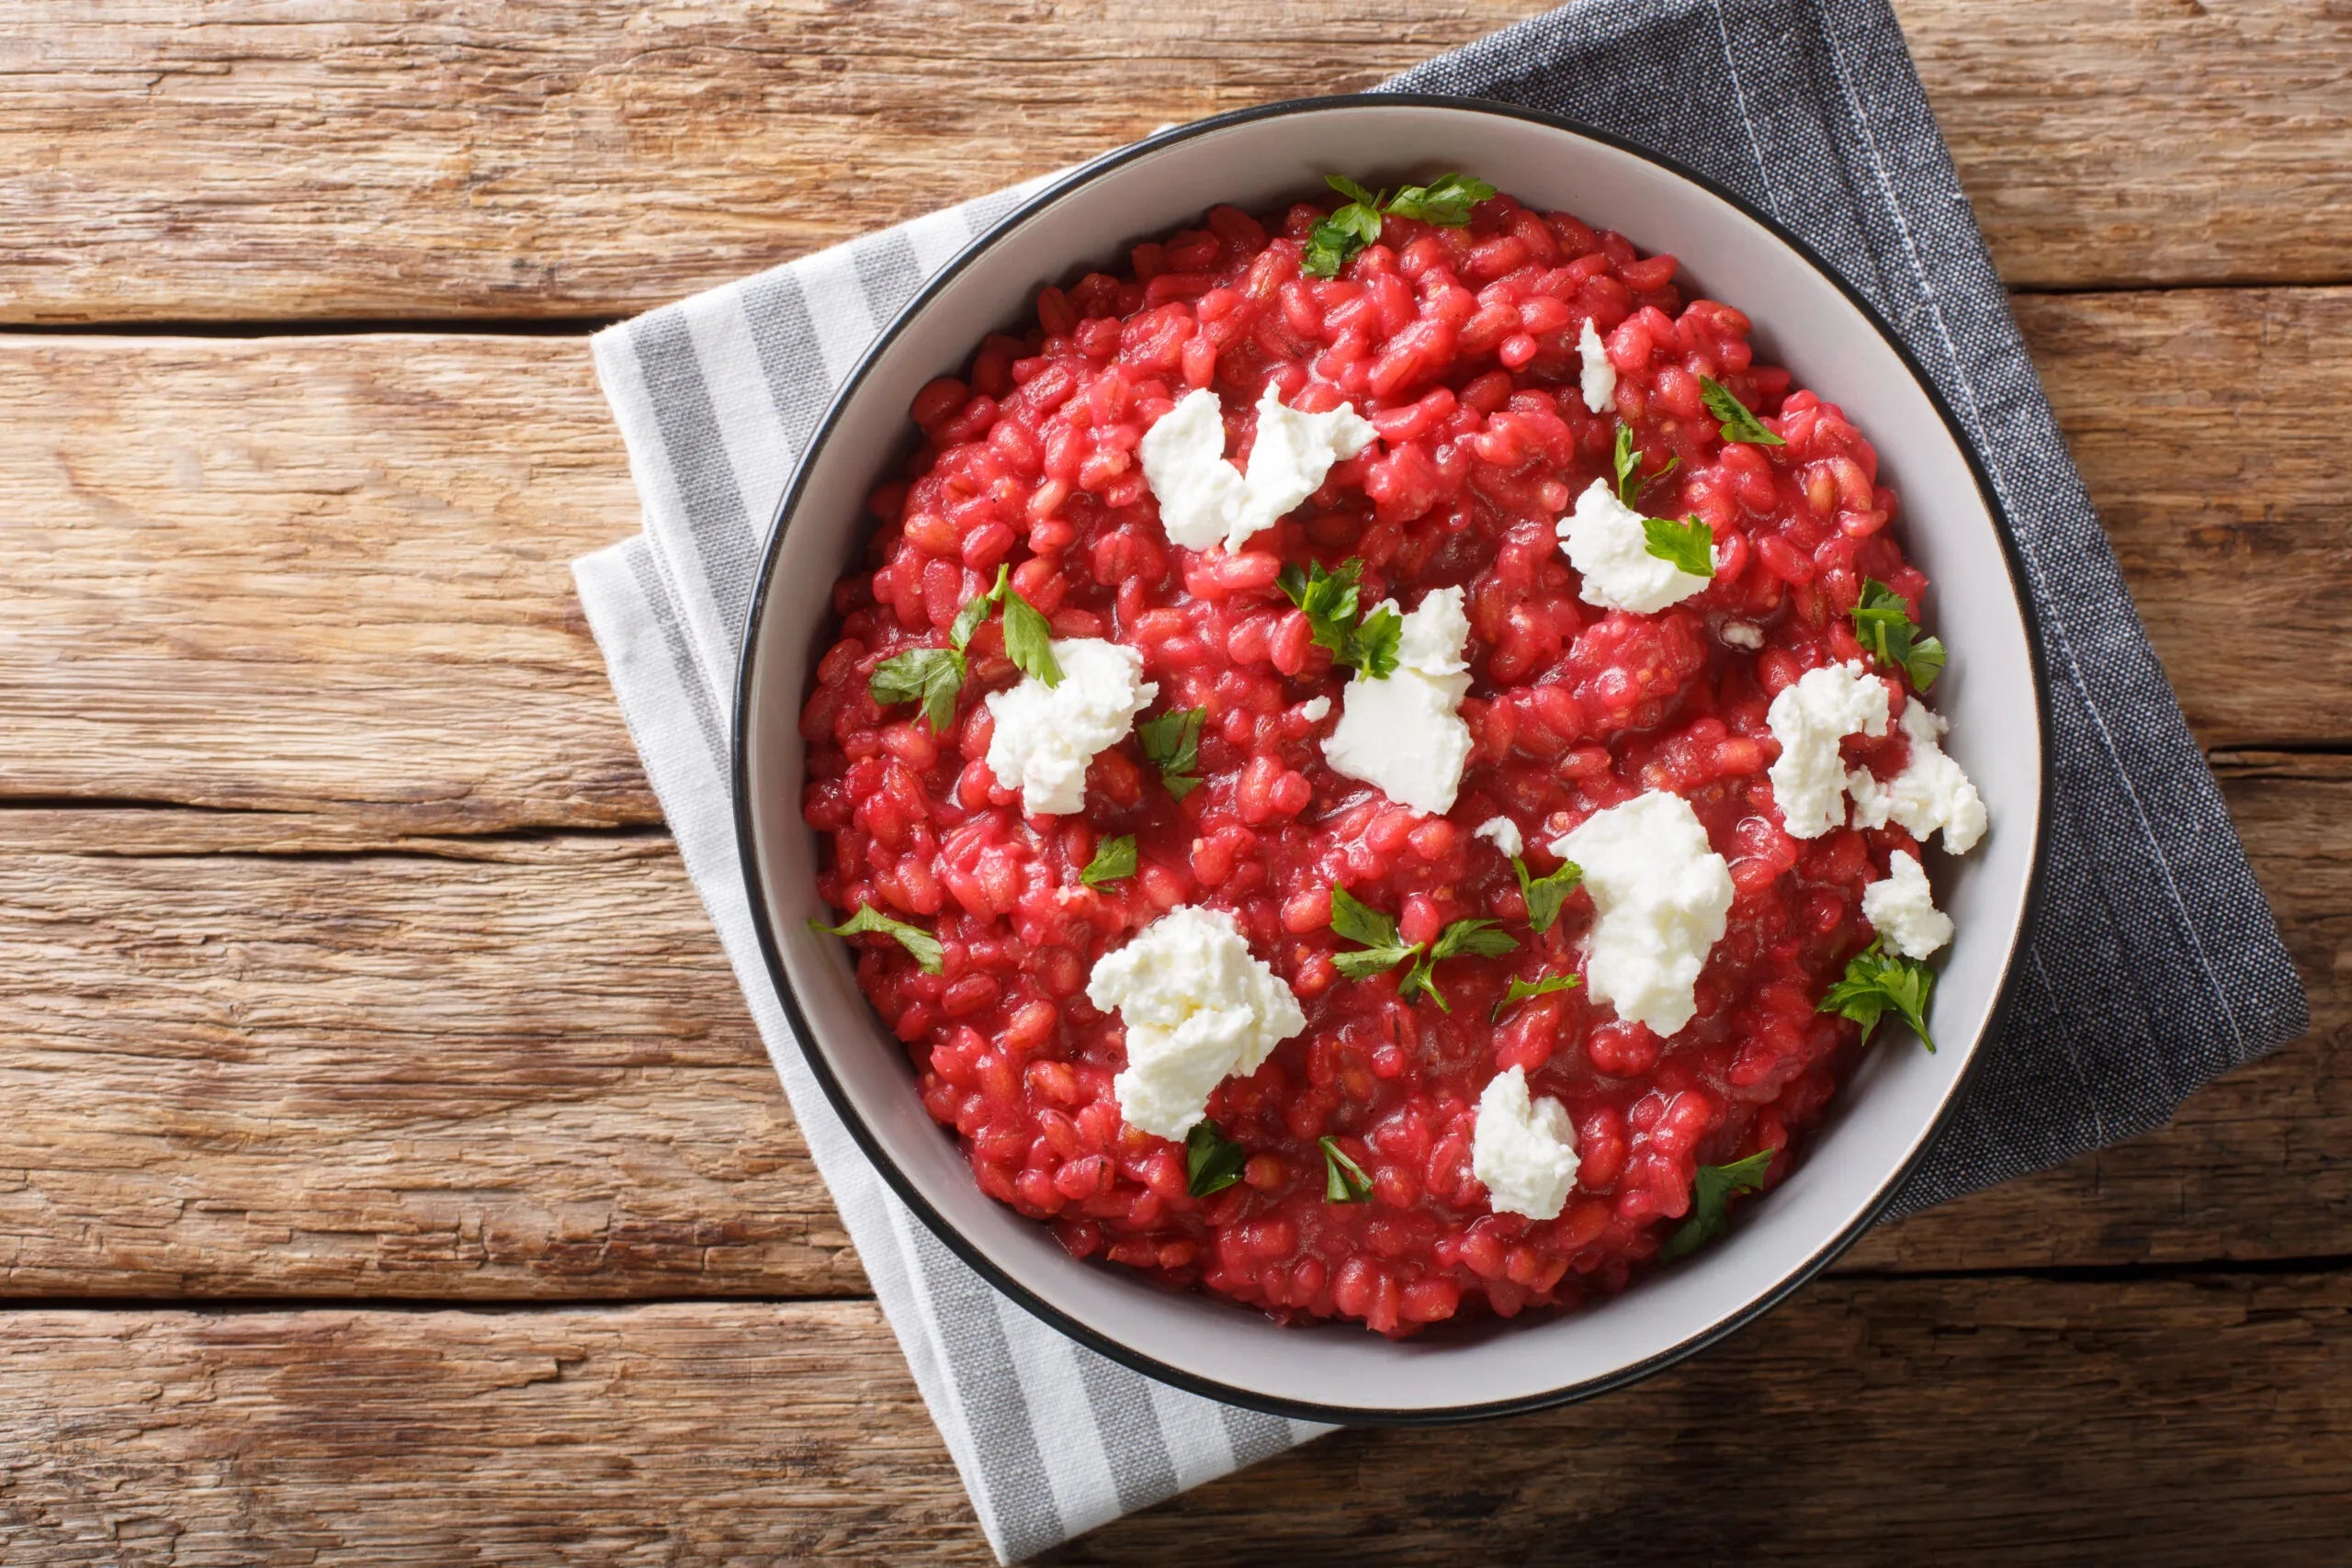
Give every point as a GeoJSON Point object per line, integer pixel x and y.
{"type": "Point", "coordinates": [748, 426]}
{"type": "Point", "coordinates": [844, 324]}
{"type": "Point", "coordinates": [1072, 1445]}
{"type": "Point", "coordinates": [1196, 1439]}
{"type": "Point", "coordinates": [622, 379]}
{"type": "Point", "coordinates": [937, 236]}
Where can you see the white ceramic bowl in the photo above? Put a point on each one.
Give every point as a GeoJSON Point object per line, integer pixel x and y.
{"type": "Point", "coordinates": [1805, 320]}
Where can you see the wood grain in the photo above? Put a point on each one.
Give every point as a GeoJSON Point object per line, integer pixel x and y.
{"type": "Point", "coordinates": [329, 574]}
{"type": "Point", "coordinates": [2015, 1421]}
{"type": "Point", "coordinates": [255, 1056]}
{"type": "Point", "coordinates": [439, 158]}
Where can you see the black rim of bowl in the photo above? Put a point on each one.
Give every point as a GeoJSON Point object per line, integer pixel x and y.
{"type": "Point", "coordinates": [906, 1189]}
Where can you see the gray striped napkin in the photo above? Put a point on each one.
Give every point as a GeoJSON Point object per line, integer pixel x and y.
{"type": "Point", "coordinates": [2132, 995]}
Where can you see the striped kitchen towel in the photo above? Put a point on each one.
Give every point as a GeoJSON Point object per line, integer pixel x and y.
{"type": "Point", "coordinates": [2132, 995]}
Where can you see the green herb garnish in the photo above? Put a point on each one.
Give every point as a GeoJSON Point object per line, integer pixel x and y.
{"type": "Point", "coordinates": [1114, 858]}
{"type": "Point", "coordinates": [1545, 894]}
{"type": "Point", "coordinates": [932, 676]}
{"type": "Point", "coordinates": [1738, 423]}
{"type": "Point", "coordinates": [1877, 980]}
{"type": "Point", "coordinates": [1380, 949]}
{"type": "Point", "coordinates": [1335, 240]}
{"type": "Point", "coordinates": [1523, 990]}
{"type": "Point", "coordinates": [1212, 1162]}
{"type": "Point", "coordinates": [1331, 603]}
{"type": "Point", "coordinates": [1343, 1180]}
{"type": "Point", "coordinates": [1685, 544]}
{"type": "Point", "coordinates": [1882, 621]}
{"type": "Point", "coordinates": [1171, 742]}
{"type": "Point", "coordinates": [935, 676]}
{"type": "Point", "coordinates": [1628, 465]}
{"type": "Point", "coordinates": [923, 947]}
{"type": "Point", "coordinates": [1376, 933]}
{"type": "Point", "coordinates": [1485, 939]}
{"type": "Point", "coordinates": [1711, 1190]}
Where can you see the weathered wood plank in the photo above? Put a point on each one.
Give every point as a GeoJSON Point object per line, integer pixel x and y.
{"type": "Point", "coordinates": [459, 157]}
{"type": "Point", "coordinates": [330, 573]}
{"type": "Point", "coordinates": [303, 1067]}
{"type": "Point", "coordinates": [252, 1056]}
{"type": "Point", "coordinates": [2009, 1420]}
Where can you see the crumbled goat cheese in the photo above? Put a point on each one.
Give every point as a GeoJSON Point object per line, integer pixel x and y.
{"type": "Point", "coordinates": [1902, 909]}
{"type": "Point", "coordinates": [1046, 736]}
{"type": "Point", "coordinates": [1402, 735]}
{"type": "Point", "coordinates": [1204, 502]}
{"type": "Point", "coordinates": [1198, 1007]}
{"type": "Point", "coordinates": [1740, 634]}
{"type": "Point", "coordinates": [1809, 719]}
{"type": "Point", "coordinates": [1315, 710]}
{"type": "Point", "coordinates": [1930, 794]}
{"type": "Point", "coordinates": [1523, 1151]}
{"type": "Point", "coordinates": [1599, 375]}
{"type": "Point", "coordinates": [1604, 539]}
{"type": "Point", "coordinates": [1503, 833]}
{"type": "Point", "coordinates": [1663, 898]}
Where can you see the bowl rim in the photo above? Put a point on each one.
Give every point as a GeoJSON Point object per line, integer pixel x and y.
{"type": "Point", "coordinates": [904, 1187]}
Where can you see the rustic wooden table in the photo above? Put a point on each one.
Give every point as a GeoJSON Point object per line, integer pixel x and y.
{"type": "Point", "coordinates": [392, 1174]}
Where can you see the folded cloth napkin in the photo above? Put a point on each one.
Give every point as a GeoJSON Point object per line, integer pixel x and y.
{"type": "Point", "coordinates": [2153, 965]}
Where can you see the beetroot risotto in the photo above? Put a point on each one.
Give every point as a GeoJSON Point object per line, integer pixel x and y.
{"type": "Point", "coordinates": [1377, 761]}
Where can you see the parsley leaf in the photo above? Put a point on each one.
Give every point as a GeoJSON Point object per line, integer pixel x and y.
{"type": "Point", "coordinates": [1212, 1162]}
{"type": "Point", "coordinates": [975, 610]}
{"type": "Point", "coordinates": [1521, 990]}
{"type": "Point", "coordinates": [1686, 543]}
{"type": "Point", "coordinates": [1738, 423]}
{"type": "Point", "coordinates": [1343, 1180]}
{"type": "Point", "coordinates": [1114, 858]}
{"type": "Point", "coordinates": [1445, 201]}
{"type": "Point", "coordinates": [1332, 604]}
{"type": "Point", "coordinates": [1627, 461]}
{"type": "Point", "coordinates": [1545, 894]}
{"type": "Point", "coordinates": [1485, 939]}
{"type": "Point", "coordinates": [1171, 742]}
{"type": "Point", "coordinates": [1029, 639]}
{"type": "Point", "coordinates": [1877, 980]}
{"type": "Point", "coordinates": [1333, 241]}
{"type": "Point", "coordinates": [1882, 621]}
{"type": "Point", "coordinates": [1711, 1192]}
{"type": "Point", "coordinates": [1376, 933]}
{"type": "Point", "coordinates": [920, 944]}
{"type": "Point", "coordinates": [932, 676]}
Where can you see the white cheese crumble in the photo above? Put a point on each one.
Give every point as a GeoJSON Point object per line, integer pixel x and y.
{"type": "Point", "coordinates": [1599, 375]}
{"type": "Point", "coordinates": [1603, 540]}
{"type": "Point", "coordinates": [1315, 710]}
{"type": "Point", "coordinates": [1204, 502]}
{"type": "Point", "coordinates": [1902, 909]}
{"type": "Point", "coordinates": [1809, 719]}
{"type": "Point", "coordinates": [1402, 735]}
{"type": "Point", "coordinates": [1503, 833]}
{"type": "Point", "coordinates": [1740, 634]}
{"type": "Point", "coordinates": [1663, 898]}
{"type": "Point", "coordinates": [1046, 736]}
{"type": "Point", "coordinates": [1198, 1007]}
{"type": "Point", "coordinates": [1523, 1151]}
{"type": "Point", "coordinates": [1930, 794]}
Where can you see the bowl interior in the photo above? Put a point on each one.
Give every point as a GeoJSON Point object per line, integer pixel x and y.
{"type": "Point", "coordinates": [1803, 320]}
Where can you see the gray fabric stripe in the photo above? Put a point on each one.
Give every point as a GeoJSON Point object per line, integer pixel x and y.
{"type": "Point", "coordinates": [728, 541]}
{"type": "Point", "coordinates": [1004, 1435]}
{"type": "Point", "coordinates": [887, 273]}
{"type": "Point", "coordinates": [1140, 1467]}
{"type": "Point", "coordinates": [647, 574]}
{"type": "Point", "coordinates": [1254, 1435]}
{"type": "Point", "coordinates": [789, 356]}
{"type": "Point", "coordinates": [991, 209]}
